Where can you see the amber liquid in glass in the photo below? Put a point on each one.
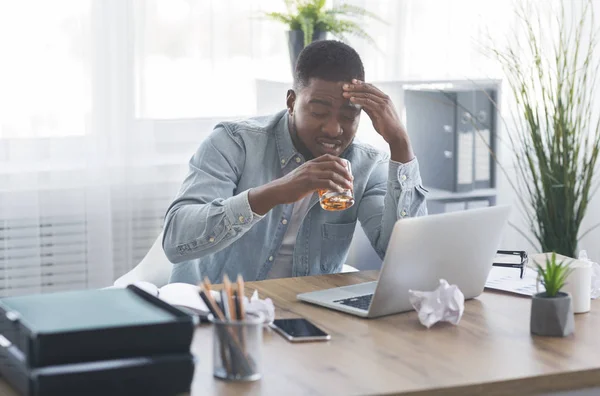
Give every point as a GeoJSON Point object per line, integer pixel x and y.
{"type": "Point", "coordinates": [336, 200]}
{"type": "Point", "coordinates": [333, 200]}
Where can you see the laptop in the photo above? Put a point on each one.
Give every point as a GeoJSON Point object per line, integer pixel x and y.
{"type": "Point", "coordinates": [458, 246]}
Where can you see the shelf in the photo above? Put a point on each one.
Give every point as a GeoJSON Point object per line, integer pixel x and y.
{"type": "Point", "coordinates": [441, 195]}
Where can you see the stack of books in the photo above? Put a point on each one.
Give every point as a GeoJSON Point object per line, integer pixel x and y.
{"type": "Point", "coordinates": [95, 342]}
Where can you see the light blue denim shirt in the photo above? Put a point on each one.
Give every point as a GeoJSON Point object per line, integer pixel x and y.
{"type": "Point", "coordinates": [210, 229]}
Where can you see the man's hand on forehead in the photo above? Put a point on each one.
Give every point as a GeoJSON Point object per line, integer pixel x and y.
{"type": "Point", "coordinates": [382, 112]}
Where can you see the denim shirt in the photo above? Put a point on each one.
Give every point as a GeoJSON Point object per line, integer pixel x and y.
{"type": "Point", "coordinates": [210, 229]}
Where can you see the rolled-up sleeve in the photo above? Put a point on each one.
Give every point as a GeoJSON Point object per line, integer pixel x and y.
{"type": "Point", "coordinates": [394, 191]}
{"type": "Point", "coordinates": [406, 179]}
{"type": "Point", "coordinates": [206, 216]}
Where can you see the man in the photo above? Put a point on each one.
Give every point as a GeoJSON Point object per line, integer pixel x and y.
{"type": "Point", "coordinates": [248, 204]}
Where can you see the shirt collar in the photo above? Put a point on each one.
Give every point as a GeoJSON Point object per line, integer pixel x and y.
{"type": "Point", "coordinates": [285, 147]}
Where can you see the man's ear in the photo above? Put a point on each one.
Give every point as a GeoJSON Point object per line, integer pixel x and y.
{"type": "Point", "coordinates": [290, 101]}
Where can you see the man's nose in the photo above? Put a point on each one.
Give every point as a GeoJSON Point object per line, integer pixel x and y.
{"type": "Point", "coordinates": [332, 128]}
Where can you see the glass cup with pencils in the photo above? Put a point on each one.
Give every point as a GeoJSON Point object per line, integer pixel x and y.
{"type": "Point", "coordinates": [237, 348]}
{"type": "Point", "coordinates": [237, 334]}
{"type": "Point", "coordinates": [337, 200]}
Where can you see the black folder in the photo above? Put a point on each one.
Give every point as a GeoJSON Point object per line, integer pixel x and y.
{"type": "Point", "coordinates": [162, 375]}
{"type": "Point", "coordinates": [91, 325]}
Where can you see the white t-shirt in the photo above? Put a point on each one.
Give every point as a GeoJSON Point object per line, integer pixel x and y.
{"type": "Point", "coordinates": [284, 260]}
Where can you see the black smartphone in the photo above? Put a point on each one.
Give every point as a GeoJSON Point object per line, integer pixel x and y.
{"type": "Point", "coordinates": [299, 330]}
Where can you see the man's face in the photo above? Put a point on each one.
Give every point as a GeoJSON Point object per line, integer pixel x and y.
{"type": "Point", "coordinates": [323, 121]}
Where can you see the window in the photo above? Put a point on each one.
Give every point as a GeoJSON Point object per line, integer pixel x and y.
{"type": "Point", "coordinates": [200, 58]}
{"type": "Point", "coordinates": [44, 73]}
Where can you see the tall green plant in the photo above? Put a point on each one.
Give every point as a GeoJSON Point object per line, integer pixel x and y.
{"type": "Point", "coordinates": [311, 15]}
{"type": "Point", "coordinates": [555, 138]}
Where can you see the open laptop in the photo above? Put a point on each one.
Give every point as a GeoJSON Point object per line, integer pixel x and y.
{"type": "Point", "coordinates": [458, 246]}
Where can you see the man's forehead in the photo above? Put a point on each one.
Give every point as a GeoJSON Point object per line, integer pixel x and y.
{"type": "Point", "coordinates": [319, 85]}
{"type": "Point", "coordinates": [327, 92]}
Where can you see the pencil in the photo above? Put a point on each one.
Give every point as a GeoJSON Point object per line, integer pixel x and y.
{"type": "Point", "coordinates": [227, 288]}
{"type": "Point", "coordinates": [206, 284]}
{"type": "Point", "coordinates": [217, 311]}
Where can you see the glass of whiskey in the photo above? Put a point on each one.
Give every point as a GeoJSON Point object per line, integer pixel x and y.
{"type": "Point", "coordinates": [336, 200]}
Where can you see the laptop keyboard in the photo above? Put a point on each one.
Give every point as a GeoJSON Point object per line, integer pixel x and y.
{"type": "Point", "coordinates": [360, 302]}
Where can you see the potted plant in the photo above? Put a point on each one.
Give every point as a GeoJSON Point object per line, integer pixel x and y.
{"type": "Point", "coordinates": [551, 310]}
{"type": "Point", "coordinates": [309, 20]}
{"type": "Point", "coordinates": [551, 70]}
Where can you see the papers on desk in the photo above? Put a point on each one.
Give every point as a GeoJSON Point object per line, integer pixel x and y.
{"type": "Point", "coordinates": [507, 279]}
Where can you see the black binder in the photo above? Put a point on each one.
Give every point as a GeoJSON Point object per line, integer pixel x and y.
{"type": "Point", "coordinates": [156, 375]}
{"type": "Point", "coordinates": [92, 325]}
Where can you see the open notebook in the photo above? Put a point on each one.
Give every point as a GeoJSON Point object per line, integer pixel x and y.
{"type": "Point", "coordinates": [186, 297]}
{"type": "Point", "coordinates": [180, 295]}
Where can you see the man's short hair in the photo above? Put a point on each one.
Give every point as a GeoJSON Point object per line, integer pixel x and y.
{"type": "Point", "coordinates": [327, 60]}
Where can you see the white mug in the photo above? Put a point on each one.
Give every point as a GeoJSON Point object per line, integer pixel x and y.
{"type": "Point", "coordinates": [579, 285]}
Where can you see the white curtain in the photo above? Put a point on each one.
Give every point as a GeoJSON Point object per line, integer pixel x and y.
{"type": "Point", "coordinates": [102, 102]}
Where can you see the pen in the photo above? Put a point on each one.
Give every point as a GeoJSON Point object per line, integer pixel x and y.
{"type": "Point", "coordinates": [236, 310]}
{"type": "Point", "coordinates": [240, 299]}
{"type": "Point", "coordinates": [226, 306]}
{"type": "Point", "coordinates": [217, 313]}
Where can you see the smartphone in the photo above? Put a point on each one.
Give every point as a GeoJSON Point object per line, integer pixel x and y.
{"type": "Point", "coordinates": [299, 330]}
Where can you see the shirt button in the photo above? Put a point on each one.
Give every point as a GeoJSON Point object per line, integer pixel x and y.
{"type": "Point", "coordinates": [270, 258]}
{"type": "Point", "coordinates": [403, 213]}
{"type": "Point", "coordinates": [298, 160]}
{"type": "Point", "coordinates": [283, 161]}
{"type": "Point", "coordinates": [403, 177]}
{"type": "Point", "coordinates": [241, 219]}
{"type": "Point", "coordinates": [284, 221]}
{"type": "Point", "coordinates": [211, 239]}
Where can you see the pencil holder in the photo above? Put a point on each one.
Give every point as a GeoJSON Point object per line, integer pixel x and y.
{"type": "Point", "coordinates": [237, 348]}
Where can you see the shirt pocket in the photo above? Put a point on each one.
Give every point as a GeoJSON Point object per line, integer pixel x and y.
{"type": "Point", "coordinates": [335, 245]}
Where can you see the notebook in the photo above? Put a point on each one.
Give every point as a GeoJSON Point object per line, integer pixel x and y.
{"type": "Point", "coordinates": [180, 295]}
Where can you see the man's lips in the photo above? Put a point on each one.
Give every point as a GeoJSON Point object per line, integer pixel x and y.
{"type": "Point", "coordinates": [329, 143]}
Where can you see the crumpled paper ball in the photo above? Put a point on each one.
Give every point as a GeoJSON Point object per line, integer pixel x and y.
{"type": "Point", "coordinates": [446, 304]}
{"type": "Point", "coordinates": [265, 307]}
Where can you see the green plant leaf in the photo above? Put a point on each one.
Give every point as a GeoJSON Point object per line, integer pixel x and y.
{"type": "Point", "coordinates": [308, 27]}
{"type": "Point", "coordinates": [311, 15]}
{"type": "Point", "coordinates": [554, 275]}
{"type": "Point", "coordinates": [351, 10]}
{"type": "Point", "coordinates": [279, 17]}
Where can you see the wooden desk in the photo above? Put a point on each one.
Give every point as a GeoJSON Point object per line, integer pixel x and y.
{"type": "Point", "coordinates": [490, 352]}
